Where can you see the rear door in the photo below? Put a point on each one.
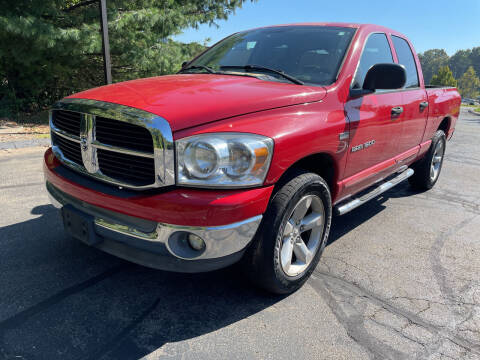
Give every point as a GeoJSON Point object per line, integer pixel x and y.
{"type": "Point", "coordinates": [414, 99]}
{"type": "Point", "coordinates": [373, 130]}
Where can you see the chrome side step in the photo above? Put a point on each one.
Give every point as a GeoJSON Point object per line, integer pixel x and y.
{"type": "Point", "coordinates": [384, 186]}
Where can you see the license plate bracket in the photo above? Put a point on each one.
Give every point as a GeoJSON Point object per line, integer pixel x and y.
{"type": "Point", "coordinates": [79, 225]}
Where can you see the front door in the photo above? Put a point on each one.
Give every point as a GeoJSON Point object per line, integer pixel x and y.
{"type": "Point", "coordinates": [374, 128]}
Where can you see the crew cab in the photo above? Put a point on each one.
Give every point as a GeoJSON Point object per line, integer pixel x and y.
{"type": "Point", "coordinates": [246, 153]}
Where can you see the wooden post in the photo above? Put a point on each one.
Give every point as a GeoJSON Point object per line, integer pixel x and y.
{"type": "Point", "coordinates": [107, 65]}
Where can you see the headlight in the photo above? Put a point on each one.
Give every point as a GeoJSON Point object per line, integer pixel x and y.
{"type": "Point", "coordinates": [223, 160]}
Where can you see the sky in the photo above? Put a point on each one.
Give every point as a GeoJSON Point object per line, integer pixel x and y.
{"type": "Point", "coordinates": [429, 24]}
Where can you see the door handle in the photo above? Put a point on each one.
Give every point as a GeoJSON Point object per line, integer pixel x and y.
{"type": "Point", "coordinates": [423, 105]}
{"type": "Point", "coordinates": [397, 110]}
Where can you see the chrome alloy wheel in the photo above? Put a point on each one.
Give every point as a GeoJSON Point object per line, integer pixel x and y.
{"type": "Point", "coordinates": [302, 235]}
{"type": "Point", "coordinates": [437, 160]}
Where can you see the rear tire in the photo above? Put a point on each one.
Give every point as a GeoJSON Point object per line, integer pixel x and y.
{"type": "Point", "coordinates": [427, 170]}
{"type": "Point", "coordinates": [292, 236]}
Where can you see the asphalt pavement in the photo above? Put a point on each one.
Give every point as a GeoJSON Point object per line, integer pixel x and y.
{"type": "Point", "coordinates": [398, 280]}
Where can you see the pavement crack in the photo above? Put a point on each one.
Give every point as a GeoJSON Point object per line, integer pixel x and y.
{"type": "Point", "coordinates": [442, 279]}
{"type": "Point", "coordinates": [354, 323]}
{"type": "Point", "coordinates": [445, 303]}
{"type": "Point", "coordinates": [452, 198]}
{"type": "Point", "coordinates": [326, 284]}
{"type": "Point", "coordinates": [438, 269]}
{"type": "Point", "coordinates": [400, 333]}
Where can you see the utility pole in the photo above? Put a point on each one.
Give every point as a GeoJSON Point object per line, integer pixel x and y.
{"type": "Point", "coordinates": [107, 65]}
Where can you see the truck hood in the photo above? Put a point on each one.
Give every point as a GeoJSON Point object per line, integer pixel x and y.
{"type": "Point", "coordinates": [187, 100]}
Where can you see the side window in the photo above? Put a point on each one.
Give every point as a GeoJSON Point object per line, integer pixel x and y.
{"type": "Point", "coordinates": [376, 51]}
{"type": "Point", "coordinates": [405, 58]}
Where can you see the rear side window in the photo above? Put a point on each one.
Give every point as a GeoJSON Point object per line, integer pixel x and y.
{"type": "Point", "coordinates": [405, 58]}
{"type": "Point", "coordinates": [376, 51]}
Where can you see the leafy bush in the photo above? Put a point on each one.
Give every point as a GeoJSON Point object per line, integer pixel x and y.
{"type": "Point", "coordinates": [444, 77]}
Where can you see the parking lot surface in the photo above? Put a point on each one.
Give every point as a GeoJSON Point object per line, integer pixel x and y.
{"type": "Point", "coordinates": [398, 280]}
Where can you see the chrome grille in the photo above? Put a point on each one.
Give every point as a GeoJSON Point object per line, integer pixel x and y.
{"type": "Point", "coordinates": [130, 169]}
{"type": "Point", "coordinates": [113, 143]}
{"type": "Point", "coordinates": [126, 135]}
{"type": "Point", "coordinates": [70, 149]}
{"type": "Point", "coordinates": [67, 121]}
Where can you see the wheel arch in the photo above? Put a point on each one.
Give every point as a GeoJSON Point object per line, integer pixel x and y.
{"type": "Point", "coordinates": [322, 164]}
{"type": "Point", "coordinates": [445, 125]}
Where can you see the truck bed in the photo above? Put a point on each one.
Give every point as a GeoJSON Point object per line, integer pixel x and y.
{"type": "Point", "coordinates": [444, 102]}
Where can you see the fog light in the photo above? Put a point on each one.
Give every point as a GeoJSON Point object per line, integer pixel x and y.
{"type": "Point", "coordinates": [196, 242]}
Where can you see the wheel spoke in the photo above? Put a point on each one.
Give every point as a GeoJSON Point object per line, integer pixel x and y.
{"type": "Point", "coordinates": [301, 209]}
{"type": "Point", "coordinates": [301, 252]}
{"type": "Point", "coordinates": [432, 172]}
{"type": "Point", "coordinates": [286, 253]}
{"type": "Point", "coordinates": [288, 228]}
{"type": "Point", "coordinates": [437, 159]}
{"type": "Point", "coordinates": [310, 221]}
{"type": "Point", "coordinates": [439, 148]}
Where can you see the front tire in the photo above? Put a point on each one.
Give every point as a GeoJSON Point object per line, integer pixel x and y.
{"type": "Point", "coordinates": [292, 235]}
{"type": "Point", "coordinates": [427, 170]}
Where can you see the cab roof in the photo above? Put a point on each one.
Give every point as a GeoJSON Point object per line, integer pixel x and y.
{"type": "Point", "coordinates": [363, 27]}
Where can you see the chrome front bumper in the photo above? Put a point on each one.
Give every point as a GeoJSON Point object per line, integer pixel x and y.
{"type": "Point", "coordinates": [163, 239]}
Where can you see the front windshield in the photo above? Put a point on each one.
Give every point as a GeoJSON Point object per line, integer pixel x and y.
{"type": "Point", "coordinates": [312, 54]}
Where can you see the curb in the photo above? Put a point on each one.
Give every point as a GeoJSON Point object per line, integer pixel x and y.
{"type": "Point", "coordinates": [20, 144]}
{"type": "Point", "coordinates": [473, 112]}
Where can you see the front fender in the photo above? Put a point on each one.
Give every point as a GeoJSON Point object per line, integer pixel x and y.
{"type": "Point", "coordinates": [298, 132]}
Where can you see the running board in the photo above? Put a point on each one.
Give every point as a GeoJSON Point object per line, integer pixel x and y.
{"type": "Point", "coordinates": [381, 188]}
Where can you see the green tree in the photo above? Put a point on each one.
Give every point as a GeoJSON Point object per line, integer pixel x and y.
{"type": "Point", "coordinates": [475, 59]}
{"type": "Point", "coordinates": [459, 62]}
{"type": "Point", "coordinates": [432, 60]}
{"type": "Point", "coordinates": [52, 48]}
{"type": "Point", "coordinates": [469, 84]}
{"type": "Point", "coordinates": [444, 77]}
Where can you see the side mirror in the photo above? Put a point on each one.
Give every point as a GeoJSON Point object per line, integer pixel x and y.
{"type": "Point", "coordinates": [185, 63]}
{"type": "Point", "coordinates": [382, 77]}
{"type": "Point", "coordinates": [385, 76]}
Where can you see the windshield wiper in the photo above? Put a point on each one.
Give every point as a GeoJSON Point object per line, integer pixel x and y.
{"type": "Point", "coordinates": [203, 67]}
{"type": "Point", "coordinates": [263, 68]}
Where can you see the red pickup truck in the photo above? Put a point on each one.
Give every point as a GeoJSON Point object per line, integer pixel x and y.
{"type": "Point", "coordinates": [246, 153]}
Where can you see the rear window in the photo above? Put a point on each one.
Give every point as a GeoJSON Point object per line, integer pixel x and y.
{"type": "Point", "coordinates": [406, 58]}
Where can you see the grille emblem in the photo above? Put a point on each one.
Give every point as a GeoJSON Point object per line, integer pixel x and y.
{"type": "Point", "coordinates": [84, 142]}
{"type": "Point", "coordinates": [87, 137]}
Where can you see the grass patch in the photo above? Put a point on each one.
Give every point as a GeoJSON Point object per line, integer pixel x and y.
{"type": "Point", "coordinates": [42, 136]}
{"type": "Point", "coordinates": [477, 109]}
